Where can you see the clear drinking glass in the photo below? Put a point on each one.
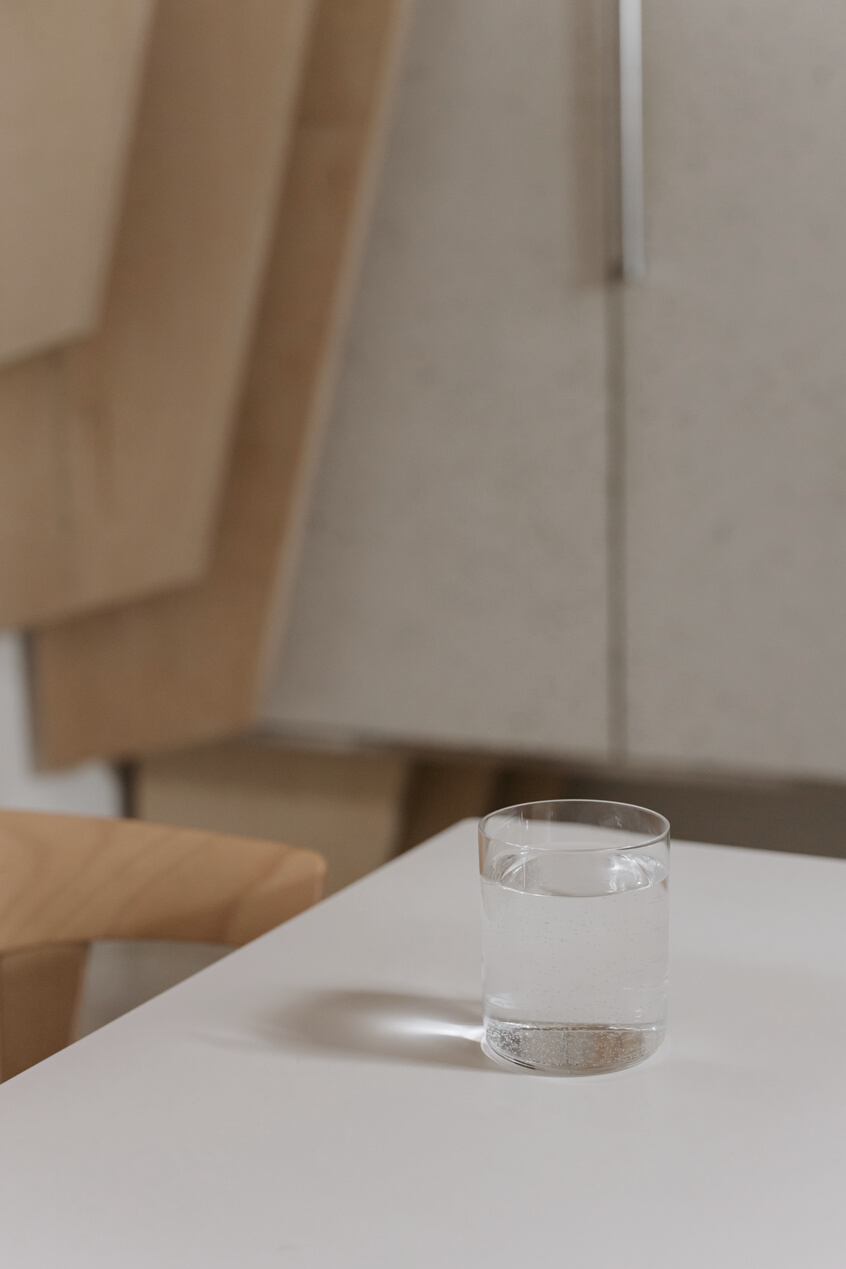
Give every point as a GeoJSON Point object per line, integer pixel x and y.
{"type": "Point", "coordinates": [574, 934]}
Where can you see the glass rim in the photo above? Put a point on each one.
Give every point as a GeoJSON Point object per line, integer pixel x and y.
{"type": "Point", "coordinates": [628, 806]}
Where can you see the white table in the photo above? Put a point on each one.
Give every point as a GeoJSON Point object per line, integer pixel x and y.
{"type": "Point", "coordinates": [318, 1100]}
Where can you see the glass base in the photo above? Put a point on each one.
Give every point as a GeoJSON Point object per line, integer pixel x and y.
{"type": "Point", "coordinates": [574, 1050]}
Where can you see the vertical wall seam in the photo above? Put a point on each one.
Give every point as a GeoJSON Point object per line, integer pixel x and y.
{"type": "Point", "coordinates": [615, 493]}
{"type": "Point", "coordinates": [615, 421]}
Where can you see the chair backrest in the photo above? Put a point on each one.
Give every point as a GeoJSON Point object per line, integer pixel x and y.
{"type": "Point", "coordinates": [66, 880]}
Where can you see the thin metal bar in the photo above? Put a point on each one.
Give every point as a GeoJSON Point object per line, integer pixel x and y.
{"type": "Point", "coordinates": [631, 141]}
{"type": "Point", "coordinates": [615, 524]}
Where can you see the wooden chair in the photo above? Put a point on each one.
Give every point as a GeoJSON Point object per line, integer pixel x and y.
{"type": "Point", "coordinates": [66, 880]}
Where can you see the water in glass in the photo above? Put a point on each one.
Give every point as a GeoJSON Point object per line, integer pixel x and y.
{"type": "Point", "coordinates": [575, 958]}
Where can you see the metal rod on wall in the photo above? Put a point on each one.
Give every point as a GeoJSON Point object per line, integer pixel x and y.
{"type": "Point", "coordinates": [631, 141]}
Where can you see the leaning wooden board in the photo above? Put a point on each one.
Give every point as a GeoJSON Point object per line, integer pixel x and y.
{"type": "Point", "coordinates": [192, 665]}
{"type": "Point", "coordinates": [112, 451]}
{"type": "Point", "coordinates": [348, 806]}
{"type": "Point", "coordinates": [70, 74]}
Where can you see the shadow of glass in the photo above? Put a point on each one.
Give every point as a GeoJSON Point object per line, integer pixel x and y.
{"type": "Point", "coordinates": [389, 1026]}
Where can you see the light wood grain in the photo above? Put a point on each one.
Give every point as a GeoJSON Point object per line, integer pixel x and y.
{"type": "Point", "coordinates": [68, 878]}
{"type": "Point", "coordinates": [71, 879]}
{"type": "Point", "coordinates": [112, 451]}
{"type": "Point", "coordinates": [193, 665]}
{"type": "Point", "coordinates": [70, 73]}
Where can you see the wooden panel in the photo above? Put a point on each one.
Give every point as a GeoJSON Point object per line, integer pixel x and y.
{"type": "Point", "coordinates": [40, 991]}
{"type": "Point", "coordinates": [69, 77]}
{"type": "Point", "coordinates": [92, 789]}
{"type": "Point", "coordinates": [347, 806]}
{"type": "Point", "coordinates": [736, 387]}
{"type": "Point", "coordinates": [453, 584]}
{"type": "Point", "coordinates": [442, 791]}
{"type": "Point", "coordinates": [112, 451]}
{"type": "Point", "coordinates": [191, 666]}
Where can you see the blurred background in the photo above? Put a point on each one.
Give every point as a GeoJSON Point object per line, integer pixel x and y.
{"type": "Point", "coordinates": [408, 410]}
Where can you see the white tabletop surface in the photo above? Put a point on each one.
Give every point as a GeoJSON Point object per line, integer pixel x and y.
{"type": "Point", "coordinates": [319, 1100]}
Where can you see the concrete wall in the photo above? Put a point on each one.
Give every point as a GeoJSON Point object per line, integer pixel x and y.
{"type": "Point", "coordinates": [453, 585]}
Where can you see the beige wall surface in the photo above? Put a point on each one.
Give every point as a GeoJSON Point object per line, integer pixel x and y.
{"type": "Point", "coordinates": [736, 391]}
{"type": "Point", "coordinates": [453, 586]}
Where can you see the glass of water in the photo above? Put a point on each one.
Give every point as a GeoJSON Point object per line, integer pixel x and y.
{"type": "Point", "coordinates": [574, 935]}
